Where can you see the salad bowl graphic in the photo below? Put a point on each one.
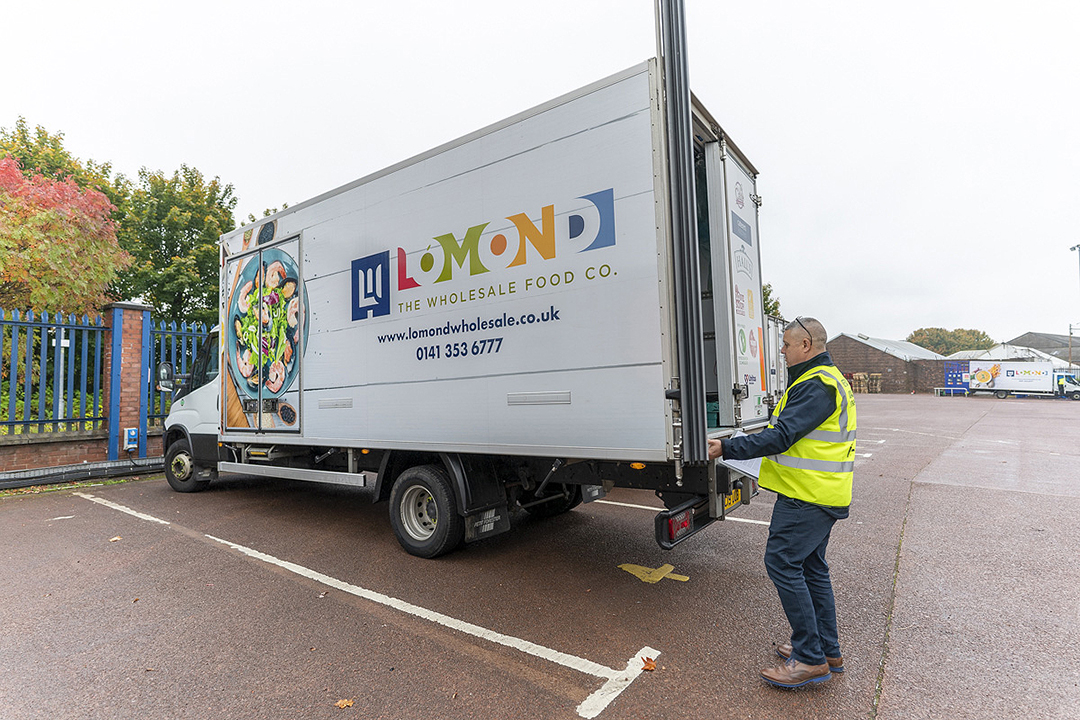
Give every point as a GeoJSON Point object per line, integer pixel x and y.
{"type": "Point", "coordinates": [266, 325]}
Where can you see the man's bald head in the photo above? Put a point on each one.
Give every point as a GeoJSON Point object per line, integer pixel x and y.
{"type": "Point", "coordinates": [811, 328]}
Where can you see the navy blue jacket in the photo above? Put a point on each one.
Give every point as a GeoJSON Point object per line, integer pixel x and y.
{"type": "Point", "coordinates": [808, 405]}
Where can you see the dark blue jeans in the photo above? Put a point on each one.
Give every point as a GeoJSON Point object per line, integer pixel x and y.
{"type": "Point", "coordinates": [795, 560]}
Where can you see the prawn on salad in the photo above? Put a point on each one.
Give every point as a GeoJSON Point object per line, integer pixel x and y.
{"type": "Point", "coordinates": [245, 296]}
{"type": "Point", "coordinates": [275, 378]}
{"type": "Point", "coordinates": [275, 273]}
{"type": "Point", "coordinates": [293, 313]}
{"type": "Point", "coordinates": [244, 362]}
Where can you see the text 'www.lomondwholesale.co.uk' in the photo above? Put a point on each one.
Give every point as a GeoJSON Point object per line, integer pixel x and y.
{"type": "Point", "coordinates": [479, 324]}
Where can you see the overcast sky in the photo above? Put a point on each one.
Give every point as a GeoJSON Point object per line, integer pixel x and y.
{"type": "Point", "coordinates": [920, 162]}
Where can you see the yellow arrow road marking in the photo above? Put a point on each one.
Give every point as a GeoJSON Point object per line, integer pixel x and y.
{"type": "Point", "coordinates": [653, 575]}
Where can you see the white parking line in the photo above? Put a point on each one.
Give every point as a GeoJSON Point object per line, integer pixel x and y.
{"type": "Point", "coordinates": [660, 509]}
{"type": "Point", "coordinates": [121, 508]}
{"type": "Point", "coordinates": [593, 705]}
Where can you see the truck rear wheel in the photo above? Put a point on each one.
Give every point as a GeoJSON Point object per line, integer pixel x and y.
{"type": "Point", "coordinates": [1001, 394]}
{"type": "Point", "coordinates": [423, 512]}
{"type": "Point", "coordinates": [180, 468]}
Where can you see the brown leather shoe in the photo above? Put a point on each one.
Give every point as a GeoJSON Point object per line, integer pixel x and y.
{"type": "Point", "coordinates": [835, 664]}
{"type": "Point", "coordinates": [793, 674]}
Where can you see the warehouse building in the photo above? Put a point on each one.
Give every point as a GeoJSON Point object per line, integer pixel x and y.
{"type": "Point", "coordinates": [1056, 345]}
{"type": "Point", "coordinates": [903, 367]}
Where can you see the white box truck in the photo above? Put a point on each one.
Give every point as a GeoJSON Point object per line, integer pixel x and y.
{"type": "Point", "coordinates": [507, 321]}
{"type": "Point", "coordinates": [1004, 378]}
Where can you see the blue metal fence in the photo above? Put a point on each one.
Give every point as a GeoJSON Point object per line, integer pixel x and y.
{"type": "Point", "coordinates": [51, 373]}
{"type": "Point", "coordinates": [168, 342]}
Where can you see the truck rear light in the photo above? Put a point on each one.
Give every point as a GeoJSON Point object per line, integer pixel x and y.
{"type": "Point", "coordinates": [675, 525]}
{"type": "Point", "coordinates": [679, 525]}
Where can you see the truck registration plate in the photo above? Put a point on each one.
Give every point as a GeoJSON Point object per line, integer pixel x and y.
{"type": "Point", "coordinates": [732, 499]}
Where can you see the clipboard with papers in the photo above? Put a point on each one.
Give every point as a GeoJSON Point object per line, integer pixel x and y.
{"type": "Point", "coordinates": [751, 468]}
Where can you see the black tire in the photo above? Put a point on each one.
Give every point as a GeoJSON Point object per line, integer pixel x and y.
{"type": "Point", "coordinates": [569, 497]}
{"type": "Point", "coordinates": [180, 469]}
{"type": "Point", "coordinates": [1075, 395]}
{"type": "Point", "coordinates": [1001, 394]}
{"type": "Point", "coordinates": [424, 513]}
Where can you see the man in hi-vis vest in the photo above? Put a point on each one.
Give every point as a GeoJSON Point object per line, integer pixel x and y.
{"type": "Point", "coordinates": [807, 457]}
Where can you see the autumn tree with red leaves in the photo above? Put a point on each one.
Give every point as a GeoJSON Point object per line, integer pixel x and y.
{"type": "Point", "coordinates": [58, 246]}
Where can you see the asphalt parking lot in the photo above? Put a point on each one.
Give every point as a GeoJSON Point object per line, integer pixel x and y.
{"type": "Point", "coordinates": [955, 577]}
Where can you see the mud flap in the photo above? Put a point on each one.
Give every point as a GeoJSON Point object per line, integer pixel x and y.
{"type": "Point", "coordinates": [486, 523]}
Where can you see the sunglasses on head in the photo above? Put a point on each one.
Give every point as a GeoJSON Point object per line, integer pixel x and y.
{"type": "Point", "coordinates": [805, 330]}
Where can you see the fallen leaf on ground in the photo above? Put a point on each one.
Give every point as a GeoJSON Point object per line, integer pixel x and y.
{"type": "Point", "coordinates": [344, 704]}
{"type": "Point", "coordinates": [648, 663]}
{"type": "Point", "coordinates": [115, 538]}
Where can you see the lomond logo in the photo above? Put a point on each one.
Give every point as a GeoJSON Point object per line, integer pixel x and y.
{"type": "Point", "coordinates": [371, 286]}
{"type": "Point", "coordinates": [1026, 373]}
{"type": "Point", "coordinates": [479, 251]}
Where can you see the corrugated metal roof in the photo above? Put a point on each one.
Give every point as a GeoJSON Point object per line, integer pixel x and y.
{"type": "Point", "coordinates": [1005, 351]}
{"type": "Point", "coordinates": [900, 348]}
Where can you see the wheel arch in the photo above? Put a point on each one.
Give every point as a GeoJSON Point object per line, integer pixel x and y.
{"type": "Point", "coordinates": [172, 434]}
{"type": "Point", "coordinates": [473, 478]}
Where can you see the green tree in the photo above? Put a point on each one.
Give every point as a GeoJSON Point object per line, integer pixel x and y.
{"type": "Point", "coordinates": [770, 301]}
{"type": "Point", "coordinates": [171, 226]}
{"type": "Point", "coordinates": [58, 245]}
{"type": "Point", "coordinates": [946, 342]}
{"type": "Point", "coordinates": [266, 213]}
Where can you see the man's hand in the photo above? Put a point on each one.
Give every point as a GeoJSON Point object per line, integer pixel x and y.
{"type": "Point", "coordinates": [716, 449]}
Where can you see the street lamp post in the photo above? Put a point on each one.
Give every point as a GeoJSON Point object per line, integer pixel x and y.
{"type": "Point", "coordinates": [1074, 247]}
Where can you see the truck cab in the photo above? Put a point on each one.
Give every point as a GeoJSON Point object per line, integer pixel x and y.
{"type": "Point", "coordinates": [190, 441]}
{"type": "Point", "coordinates": [1066, 385]}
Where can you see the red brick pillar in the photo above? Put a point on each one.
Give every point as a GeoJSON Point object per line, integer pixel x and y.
{"type": "Point", "coordinates": [124, 373]}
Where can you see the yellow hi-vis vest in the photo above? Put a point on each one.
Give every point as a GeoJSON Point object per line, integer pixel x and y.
{"type": "Point", "coordinates": [819, 467]}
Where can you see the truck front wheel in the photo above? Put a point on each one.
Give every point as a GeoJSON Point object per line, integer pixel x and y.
{"type": "Point", "coordinates": [423, 512]}
{"type": "Point", "coordinates": [1001, 394]}
{"type": "Point", "coordinates": [1075, 395]}
{"type": "Point", "coordinates": [180, 468]}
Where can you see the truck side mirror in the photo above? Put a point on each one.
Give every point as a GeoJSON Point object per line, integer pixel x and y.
{"type": "Point", "coordinates": [165, 377]}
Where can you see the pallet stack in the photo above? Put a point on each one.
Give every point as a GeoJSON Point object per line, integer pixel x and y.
{"type": "Point", "coordinates": [860, 382]}
{"type": "Point", "coordinates": [874, 383]}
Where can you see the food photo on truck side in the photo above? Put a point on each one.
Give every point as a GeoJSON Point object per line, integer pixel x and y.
{"type": "Point", "coordinates": [1023, 378]}
{"type": "Point", "coordinates": [564, 302]}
